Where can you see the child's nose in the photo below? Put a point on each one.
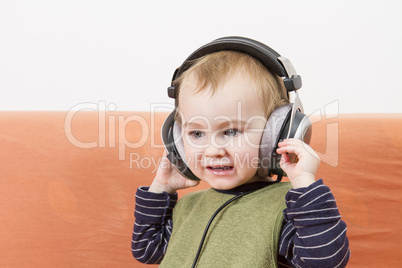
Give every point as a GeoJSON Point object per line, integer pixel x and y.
{"type": "Point", "coordinates": [214, 150]}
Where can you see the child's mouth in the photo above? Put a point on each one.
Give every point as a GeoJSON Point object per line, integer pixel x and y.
{"type": "Point", "coordinates": [221, 170]}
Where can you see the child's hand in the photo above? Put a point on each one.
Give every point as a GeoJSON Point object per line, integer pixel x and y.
{"type": "Point", "coordinates": [302, 173]}
{"type": "Point", "coordinates": [168, 180]}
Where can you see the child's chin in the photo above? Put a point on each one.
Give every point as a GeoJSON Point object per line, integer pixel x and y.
{"type": "Point", "coordinates": [222, 185]}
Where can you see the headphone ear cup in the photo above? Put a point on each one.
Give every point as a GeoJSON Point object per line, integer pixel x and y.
{"type": "Point", "coordinates": [173, 142]}
{"type": "Point", "coordinates": [269, 139]}
{"type": "Point", "coordinates": [178, 141]}
{"type": "Point", "coordinates": [301, 129]}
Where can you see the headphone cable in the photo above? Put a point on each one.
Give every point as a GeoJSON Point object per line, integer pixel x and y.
{"type": "Point", "coordinates": [209, 224]}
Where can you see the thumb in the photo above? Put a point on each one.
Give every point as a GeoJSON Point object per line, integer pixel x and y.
{"type": "Point", "coordinates": [284, 162]}
{"type": "Point", "coordinates": [191, 183]}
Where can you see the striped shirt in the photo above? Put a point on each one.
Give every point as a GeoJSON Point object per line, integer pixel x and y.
{"type": "Point", "coordinates": [313, 234]}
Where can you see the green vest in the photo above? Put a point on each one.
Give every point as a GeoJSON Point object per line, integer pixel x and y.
{"type": "Point", "coordinates": [244, 234]}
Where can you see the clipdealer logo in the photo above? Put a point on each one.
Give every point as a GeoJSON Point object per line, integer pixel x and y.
{"type": "Point", "coordinates": [115, 126]}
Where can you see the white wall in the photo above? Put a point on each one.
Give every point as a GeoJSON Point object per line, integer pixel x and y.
{"type": "Point", "coordinates": [55, 55]}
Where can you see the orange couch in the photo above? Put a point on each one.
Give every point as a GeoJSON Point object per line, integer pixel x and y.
{"type": "Point", "coordinates": [68, 179]}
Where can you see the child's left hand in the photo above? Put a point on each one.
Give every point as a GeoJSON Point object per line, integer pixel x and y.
{"type": "Point", "coordinates": [301, 173]}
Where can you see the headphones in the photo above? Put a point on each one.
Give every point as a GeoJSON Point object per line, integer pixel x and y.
{"type": "Point", "coordinates": [287, 121]}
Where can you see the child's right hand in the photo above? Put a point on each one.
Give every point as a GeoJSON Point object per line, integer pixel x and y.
{"type": "Point", "coordinates": [168, 180]}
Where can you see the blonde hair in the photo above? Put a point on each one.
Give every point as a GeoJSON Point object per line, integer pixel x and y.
{"type": "Point", "coordinates": [213, 69]}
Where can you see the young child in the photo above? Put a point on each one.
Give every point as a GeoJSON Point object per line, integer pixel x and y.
{"type": "Point", "coordinates": [224, 101]}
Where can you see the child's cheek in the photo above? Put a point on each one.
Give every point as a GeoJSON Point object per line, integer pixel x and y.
{"type": "Point", "coordinates": [252, 140]}
{"type": "Point", "coordinates": [193, 153]}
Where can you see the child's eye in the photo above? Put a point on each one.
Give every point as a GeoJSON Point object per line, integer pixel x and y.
{"type": "Point", "coordinates": [197, 134]}
{"type": "Point", "coordinates": [231, 132]}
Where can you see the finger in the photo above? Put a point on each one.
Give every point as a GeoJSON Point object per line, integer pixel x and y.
{"type": "Point", "coordinates": [287, 142]}
{"type": "Point", "coordinates": [294, 145]}
{"type": "Point", "coordinates": [290, 149]}
{"type": "Point", "coordinates": [284, 159]}
{"type": "Point", "coordinates": [300, 149]}
{"type": "Point", "coordinates": [285, 163]}
{"type": "Point", "coordinates": [165, 163]}
{"type": "Point", "coordinates": [295, 142]}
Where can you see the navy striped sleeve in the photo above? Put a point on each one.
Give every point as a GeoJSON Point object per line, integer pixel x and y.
{"type": "Point", "coordinates": [153, 225]}
{"type": "Point", "coordinates": [314, 234]}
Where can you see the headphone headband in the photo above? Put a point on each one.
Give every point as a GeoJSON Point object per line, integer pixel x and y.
{"type": "Point", "coordinates": [271, 59]}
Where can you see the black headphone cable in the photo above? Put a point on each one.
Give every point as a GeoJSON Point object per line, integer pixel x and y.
{"type": "Point", "coordinates": [210, 221]}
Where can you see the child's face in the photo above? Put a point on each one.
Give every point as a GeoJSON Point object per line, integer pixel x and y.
{"type": "Point", "coordinates": [222, 133]}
